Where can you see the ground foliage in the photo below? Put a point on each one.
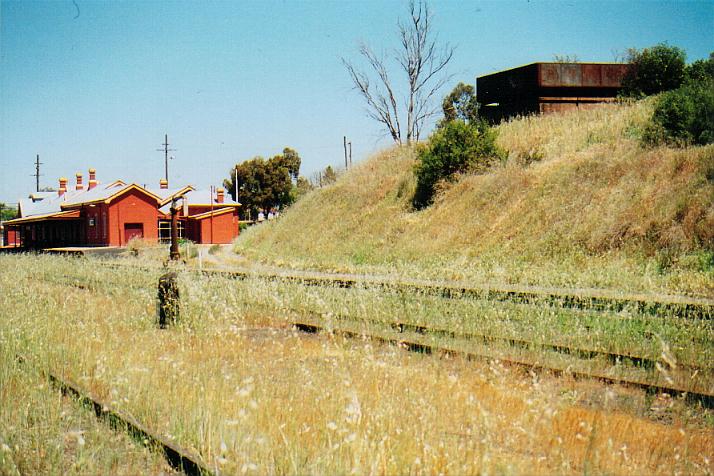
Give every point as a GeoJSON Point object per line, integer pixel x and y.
{"type": "Point", "coordinates": [684, 116]}
{"type": "Point", "coordinates": [455, 148]}
{"type": "Point", "coordinates": [595, 209]}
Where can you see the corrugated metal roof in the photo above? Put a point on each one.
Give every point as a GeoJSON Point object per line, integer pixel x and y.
{"type": "Point", "coordinates": [202, 197]}
{"type": "Point", "coordinates": [100, 192]}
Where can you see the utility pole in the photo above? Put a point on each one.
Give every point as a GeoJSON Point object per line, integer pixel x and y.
{"type": "Point", "coordinates": [166, 151]}
{"type": "Point", "coordinates": [350, 144]}
{"type": "Point", "coordinates": [37, 173]}
{"type": "Point", "coordinates": [344, 143]}
{"type": "Point", "coordinates": [235, 182]}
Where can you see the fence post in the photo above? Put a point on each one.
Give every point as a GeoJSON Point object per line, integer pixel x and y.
{"type": "Point", "coordinates": [168, 297]}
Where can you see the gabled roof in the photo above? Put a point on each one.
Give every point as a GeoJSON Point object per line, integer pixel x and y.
{"type": "Point", "coordinates": [218, 211]}
{"type": "Point", "coordinates": [166, 195]}
{"type": "Point", "coordinates": [202, 198]}
{"type": "Point", "coordinates": [68, 215]}
{"type": "Point", "coordinates": [105, 196]}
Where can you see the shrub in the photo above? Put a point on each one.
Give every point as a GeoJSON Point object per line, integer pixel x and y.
{"type": "Point", "coordinates": [454, 148]}
{"type": "Point", "coordinates": [654, 70]}
{"type": "Point", "coordinates": [701, 70]}
{"type": "Point", "coordinates": [684, 116]}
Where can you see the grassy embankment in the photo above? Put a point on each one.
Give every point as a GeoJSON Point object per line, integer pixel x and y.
{"type": "Point", "coordinates": [233, 382]}
{"type": "Point", "coordinates": [578, 203]}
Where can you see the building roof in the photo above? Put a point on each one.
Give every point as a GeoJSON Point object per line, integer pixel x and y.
{"type": "Point", "coordinates": [209, 214]}
{"type": "Point", "coordinates": [166, 194]}
{"type": "Point", "coordinates": [202, 198]}
{"type": "Point", "coordinates": [45, 205]}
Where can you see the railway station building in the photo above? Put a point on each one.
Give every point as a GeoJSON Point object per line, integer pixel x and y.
{"type": "Point", "coordinates": [539, 88]}
{"type": "Point", "coordinates": [112, 214]}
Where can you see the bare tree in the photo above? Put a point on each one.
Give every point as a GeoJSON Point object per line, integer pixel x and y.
{"type": "Point", "coordinates": [424, 63]}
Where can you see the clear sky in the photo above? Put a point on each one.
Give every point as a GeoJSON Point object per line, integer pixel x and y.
{"type": "Point", "coordinates": [98, 84]}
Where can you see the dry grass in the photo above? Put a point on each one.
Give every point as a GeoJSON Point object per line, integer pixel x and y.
{"type": "Point", "coordinates": [252, 396]}
{"type": "Point", "coordinates": [593, 210]}
{"type": "Point", "coordinates": [42, 432]}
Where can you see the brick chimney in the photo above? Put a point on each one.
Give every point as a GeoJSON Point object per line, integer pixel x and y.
{"type": "Point", "coordinates": [219, 195]}
{"type": "Point", "coordinates": [62, 186]}
{"type": "Point", "coordinates": [92, 179]}
{"type": "Point", "coordinates": [163, 184]}
{"type": "Point", "coordinates": [80, 185]}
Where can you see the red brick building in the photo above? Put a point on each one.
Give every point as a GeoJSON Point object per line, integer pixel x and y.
{"type": "Point", "coordinates": [113, 214]}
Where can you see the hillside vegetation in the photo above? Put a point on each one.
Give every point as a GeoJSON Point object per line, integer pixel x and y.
{"type": "Point", "coordinates": [578, 203]}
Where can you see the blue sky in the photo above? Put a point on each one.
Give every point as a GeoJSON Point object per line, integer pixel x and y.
{"type": "Point", "coordinates": [98, 84]}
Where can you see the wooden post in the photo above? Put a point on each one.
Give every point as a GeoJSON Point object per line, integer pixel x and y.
{"type": "Point", "coordinates": [174, 254]}
{"type": "Point", "coordinates": [168, 297]}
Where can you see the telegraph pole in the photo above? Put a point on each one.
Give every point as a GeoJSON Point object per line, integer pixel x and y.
{"type": "Point", "coordinates": [166, 151]}
{"type": "Point", "coordinates": [350, 145]}
{"type": "Point", "coordinates": [344, 144]}
{"type": "Point", "coordinates": [235, 183]}
{"type": "Point", "coordinates": [37, 174]}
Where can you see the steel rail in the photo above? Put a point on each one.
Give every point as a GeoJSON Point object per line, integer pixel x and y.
{"type": "Point", "coordinates": [680, 306]}
{"type": "Point", "coordinates": [179, 458]}
{"type": "Point", "coordinates": [614, 357]}
{"type": "Point", "coordinates": [705, 399]}
{"type": "Point", "coordinates": [582, 352]}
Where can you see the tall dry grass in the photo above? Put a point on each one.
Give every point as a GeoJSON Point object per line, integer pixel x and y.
{"type": "Point", "coordinates": [235, 383]}
{"type": "Point", "coordinates": [578, 203]}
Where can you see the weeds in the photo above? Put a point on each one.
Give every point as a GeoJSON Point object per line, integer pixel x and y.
{"type": "Point", "coordinates": [235, 383]}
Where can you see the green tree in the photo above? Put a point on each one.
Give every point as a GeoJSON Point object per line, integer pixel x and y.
{"type": "Point", "coordinates": [455, 148]}
{"type": "Point", "coordinates": [329, 176]}
{"type": "Point", "coordinates": [7, 212]}
{"type": "Point", "coordinates": [701, 70]}
{"type": "Point", "coordinates": [302, 187]}
{"type": "Point", "coordinates": [653, 70]}
{"type": "Point", "coordinates": [684, 116]}
{"type": "Point", "coordinates": [325, 177]}
{"type": "Point", "coordinates": [265, 184]}
{"type": "Point", "coordinates": [460, 104]}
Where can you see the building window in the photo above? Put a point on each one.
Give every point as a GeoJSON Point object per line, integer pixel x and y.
{"type": "Point", "coordinates": [165, 230]}
{"type": "Point", "coordinates": [91, 221]}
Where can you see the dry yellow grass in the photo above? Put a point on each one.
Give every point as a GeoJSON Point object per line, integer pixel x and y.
{"type": "Point", "coordinates": [233, 382]}
{"type": "Point", "coordinates": [595, 210]}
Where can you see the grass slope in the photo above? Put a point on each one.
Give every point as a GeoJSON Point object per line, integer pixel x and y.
{"type": "Point", "coordinates": [578, 203]}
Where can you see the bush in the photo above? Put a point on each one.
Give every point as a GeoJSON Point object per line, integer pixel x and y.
{"type": "Point", "coordinates": [701, 70]}
{"type": "Point", "coordinates": [654, 70]}
{"type": "Point", "coordinates": [684, 116]}
{"type": "Point", "coordinates": [454, 148]}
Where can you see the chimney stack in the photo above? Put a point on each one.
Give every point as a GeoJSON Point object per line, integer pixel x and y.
{"type": "Point", "coordinates": [163, 184]}
{"type": "Point", "coordinates": [80, 185]}
{"type": "Point", "coordinates": [92, 179]}
{"type": "Point", "coordinates": [219, 195]}
{"type": "Point", "coordinates": [62, 186]}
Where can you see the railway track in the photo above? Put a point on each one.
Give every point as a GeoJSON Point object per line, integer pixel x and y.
{"type": "Point", "coordinates": [401, 327]}
{"type": "Point", "coordinates": [178, 457]}
{"type": "Point", "coordinates": [582, 352]}
{"type": "Point", "coordinates": [705, 399]}
{"type": "Point", "coordinates": [679, 306]}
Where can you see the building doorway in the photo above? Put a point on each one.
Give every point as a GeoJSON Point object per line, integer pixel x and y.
{"type": "Point", "coordinates": [133, 230]}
